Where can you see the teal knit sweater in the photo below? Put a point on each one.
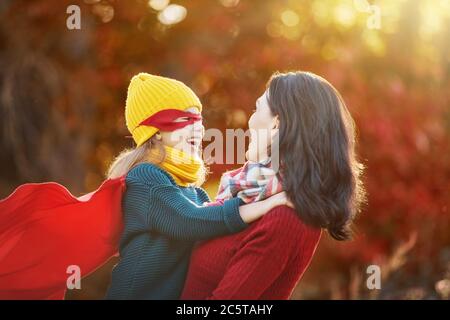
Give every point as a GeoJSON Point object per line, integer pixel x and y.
{"type": "Point", "coordinates": [162, 222]}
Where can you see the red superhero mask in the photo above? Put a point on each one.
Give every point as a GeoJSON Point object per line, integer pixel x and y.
{"type": "Point", "coordinates": [164, 120]}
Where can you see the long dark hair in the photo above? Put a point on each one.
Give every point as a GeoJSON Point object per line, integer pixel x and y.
{"type": "Point", "coordinates": [321, 174]}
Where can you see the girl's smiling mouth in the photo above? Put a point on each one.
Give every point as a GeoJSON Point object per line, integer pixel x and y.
{"type": "Point", "coordinates": [194, 141]}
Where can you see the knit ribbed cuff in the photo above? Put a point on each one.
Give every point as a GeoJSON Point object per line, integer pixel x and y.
{"type": "Point", "coordinates": [233, 219]}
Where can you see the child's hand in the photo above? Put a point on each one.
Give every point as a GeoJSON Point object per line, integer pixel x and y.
{"type": "Point", "coordinates": [280, 199]}
{"type": "Point", "coordinates": [253, 211]}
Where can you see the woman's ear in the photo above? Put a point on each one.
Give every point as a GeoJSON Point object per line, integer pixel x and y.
{"type": "Point", "coordinates": [276, 123]}
{"type": "Point", "coordinates": [275, 127]}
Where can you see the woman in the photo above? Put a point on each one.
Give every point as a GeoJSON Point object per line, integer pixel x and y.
{"type": "Point", "coordinates": [320, 174]}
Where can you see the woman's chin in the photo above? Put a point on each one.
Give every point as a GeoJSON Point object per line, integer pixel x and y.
{"type": "Point", "coordinates": [250, 156]}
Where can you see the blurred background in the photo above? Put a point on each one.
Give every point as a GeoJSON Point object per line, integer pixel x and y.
{"type": "Point", "coordinates": [62, 96]}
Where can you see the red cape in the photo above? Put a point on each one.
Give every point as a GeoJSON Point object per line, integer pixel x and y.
{"type": "Point", "coordinates": [44, 229]}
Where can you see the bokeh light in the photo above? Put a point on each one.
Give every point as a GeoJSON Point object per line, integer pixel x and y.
{"type": "Point", "coordinates": [172, 14]}
{"type": "Point", "coordinates": [229, 3]}
{"type": "Point", "coordinates": [158, 4]}
{"type": "Point", "coordinates": [104, 11]}
{"type": "Point", "coordinates": [290, 18]}
{"type": "Point", "coordinates": [345, 15]}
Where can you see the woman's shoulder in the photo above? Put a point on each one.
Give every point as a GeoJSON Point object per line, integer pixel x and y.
{"type": "Point", "coordinates": [150, 174]}
{"type": "Point", "coordinates": [284, 220]}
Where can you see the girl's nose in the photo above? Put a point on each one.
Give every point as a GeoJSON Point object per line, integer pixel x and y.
{"type": "Point", "coordinates": [198, 126]}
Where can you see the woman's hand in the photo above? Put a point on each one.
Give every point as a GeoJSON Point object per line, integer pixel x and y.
{"type": "Point", "coordinates": [255, 210]}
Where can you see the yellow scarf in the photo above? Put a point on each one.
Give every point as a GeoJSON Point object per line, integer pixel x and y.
{"type": "Point", "coordinates": [183, 168]}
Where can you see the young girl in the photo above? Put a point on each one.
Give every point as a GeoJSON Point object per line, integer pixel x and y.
{"type": "Point", "coordinates": [45, 231]}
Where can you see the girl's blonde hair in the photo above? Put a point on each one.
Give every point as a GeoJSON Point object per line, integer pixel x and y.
{"type": "Point", "coordinates": [129, 158]}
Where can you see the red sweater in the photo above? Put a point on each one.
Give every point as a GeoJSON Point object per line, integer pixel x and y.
{"type": "Point", "coordinates": [265, 261]}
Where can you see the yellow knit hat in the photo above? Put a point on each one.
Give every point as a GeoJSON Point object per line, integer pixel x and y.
{"type": "Point", "coordinates": [149, 94]}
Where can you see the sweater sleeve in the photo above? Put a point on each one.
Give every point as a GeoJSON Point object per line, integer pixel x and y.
{"type": "Point", "coordinates": [204, 197]}
{"type": "Point", "coordinates": [261, 258]}
{"type": "Point", "coordinates": [173, 214]}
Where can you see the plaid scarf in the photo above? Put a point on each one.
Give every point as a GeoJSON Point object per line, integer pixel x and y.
{"type": "Point", "coordinates": [252, 182]}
